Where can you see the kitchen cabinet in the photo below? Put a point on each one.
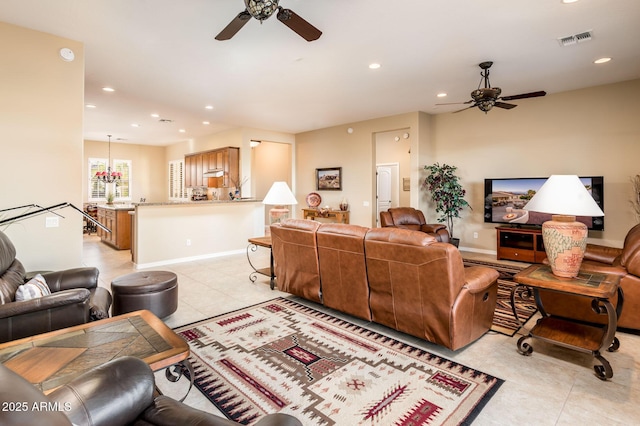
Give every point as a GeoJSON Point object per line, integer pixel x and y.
{"type": "Point", "coordinates": [225, 160]}
{"type": "Point", "coordinates": [118, 220]}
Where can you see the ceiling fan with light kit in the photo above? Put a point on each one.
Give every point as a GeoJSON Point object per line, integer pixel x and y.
{"type": "Point", "coordinates": [487, 97]}
{"type": "Point", "coordinates": [264, 9]}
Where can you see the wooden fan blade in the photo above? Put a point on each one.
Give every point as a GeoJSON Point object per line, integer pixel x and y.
{"type": "Point", "coordinates": [299, 25]}
{"type": "Point", "coordinates": [234, 26]}
{"type": "Point", "coordinates": [464, 109]}
{"type": "Point", "coordinates": [524, 96]}
{"type": "Point", "coordinates": [456, 103]}
{"type": "Point", "coordinates": [504, 105]}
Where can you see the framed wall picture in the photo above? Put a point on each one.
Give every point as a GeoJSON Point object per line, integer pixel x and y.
{"type": "Point", "coordinates": [329, 179]}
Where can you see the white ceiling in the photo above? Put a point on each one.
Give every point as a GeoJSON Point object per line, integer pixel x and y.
{"type": "Point", "coordinates": [161, 57]}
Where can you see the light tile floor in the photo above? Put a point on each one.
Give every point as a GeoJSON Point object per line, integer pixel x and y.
{"type": "Point", "coordinates": [553, 386]}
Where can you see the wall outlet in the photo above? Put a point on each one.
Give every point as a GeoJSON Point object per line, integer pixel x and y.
{"type": "Point", "coordinates": [475, 235]}
{"type": "Point", "coordinates": [52, 222]}
{"type": "Point", "coordinates": [188, 242]}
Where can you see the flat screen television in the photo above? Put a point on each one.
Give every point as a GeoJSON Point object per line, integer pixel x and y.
{"type": "Point", "coordinates": [505, 198]}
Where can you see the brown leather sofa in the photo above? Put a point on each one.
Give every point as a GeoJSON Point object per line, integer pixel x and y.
{"type": "Point", "coordinates": [624, 262]}
{"type": "Point", "coordinates": [300, 275]}
{"type": "Point", "coordinates": [410, 218]}
{"type": "Point", "coordinates": [404, 279]}
{"type": "Point", "coordinates": [117, 393]}
{"type": "Point", "coordinates": [75, 298]}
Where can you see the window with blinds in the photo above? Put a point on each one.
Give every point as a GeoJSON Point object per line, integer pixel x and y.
{"type": "Point", "coordinates": [177, 190]}
{"type": "Point", "coordinates": [121, 189]}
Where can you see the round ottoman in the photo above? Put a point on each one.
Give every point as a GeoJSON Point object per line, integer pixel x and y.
{"type": "Point", "coordinates": [156, 291]}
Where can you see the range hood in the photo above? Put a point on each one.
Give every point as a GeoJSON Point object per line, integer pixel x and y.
{"type": "Point", "coordinates": [213, 173]}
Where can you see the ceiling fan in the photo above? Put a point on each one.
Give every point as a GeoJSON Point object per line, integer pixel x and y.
{"type": "Point", "coordinates": [488, 97]}
{"type": "Point", "coordinates": [263, 9]}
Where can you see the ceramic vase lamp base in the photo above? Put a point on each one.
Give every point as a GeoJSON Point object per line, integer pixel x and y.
{"type": "Point", "coordinates": [565, 241]}
{"type": "Point", "coordinates": [278, 214]}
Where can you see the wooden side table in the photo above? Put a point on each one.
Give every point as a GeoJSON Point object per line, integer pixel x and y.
{"type": "Point", "coordinates": [340, 216]}
{"type": "Point", "coordinates": [589, 338]}
{"type": "Point", "coordinates": [265, 242]}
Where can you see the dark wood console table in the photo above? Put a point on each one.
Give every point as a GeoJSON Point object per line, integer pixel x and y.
{"type": "Point", "coordinates": [520, 244]}
{"type": "Point", "coordinates": [589, 338]}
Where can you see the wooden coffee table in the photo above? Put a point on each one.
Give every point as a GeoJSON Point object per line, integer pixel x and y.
{"type": "Point", "coordinates": [590, 338]}
{"type": "Point", "coordinates": [52, 359]}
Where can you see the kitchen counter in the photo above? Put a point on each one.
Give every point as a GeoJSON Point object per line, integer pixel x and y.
{"type": "Point", "coordinates": [173, 232]}
{"type": "Point", "coordinates": [196, 203]}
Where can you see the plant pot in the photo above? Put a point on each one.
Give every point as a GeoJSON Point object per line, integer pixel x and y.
{"type": "Point", "coordinates": [454, 241]}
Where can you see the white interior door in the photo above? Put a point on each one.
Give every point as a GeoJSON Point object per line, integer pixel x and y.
{"type": "Point", "coordinates": [384, 189]}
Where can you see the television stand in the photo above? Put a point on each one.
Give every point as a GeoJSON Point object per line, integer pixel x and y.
{"type": "Point", "coordinates": [520, 244]}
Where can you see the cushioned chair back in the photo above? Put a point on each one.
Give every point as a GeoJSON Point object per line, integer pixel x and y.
{"type": "Point", "coordinates": [295, 254]}
{"type": "Point", "coordinates": [343, 270]}
{"type": "Point", "coordinates": [11, 270]}
{"type": "Point", "coordinates": [407, 217]}
{"type": "Point", "coordinates": [630, 257]}
{"type": "Point", "coordinates": [414, 281]}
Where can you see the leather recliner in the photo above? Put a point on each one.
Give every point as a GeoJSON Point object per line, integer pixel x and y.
{"type": "Point", "coordinates": [420, 286]}
{"type": "Point", "coordinates": [300, 274]}
{"type": "Point", "coordinates": [120, 392]}
{"type": "Point", "coordinates": [343, 269]}
{"type": "Point", "coordinates": [624, 262]}
{"type": "Point", "coordinates": [410, 218]}
{"type": "Point", "coordinates": [75, 298]}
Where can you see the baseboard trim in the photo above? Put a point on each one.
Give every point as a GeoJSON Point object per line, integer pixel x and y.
{"type": "Point", "coordinates": [186, 259]}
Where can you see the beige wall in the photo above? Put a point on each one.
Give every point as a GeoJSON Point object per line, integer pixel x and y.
{"type": "Point", "coordinates": [355, 152]}
{"type": "Point", "coordinates": [149, 169]}
{"type": "Point", "coordinates": [41, 111]}
{"type": "Point", "coordinates": [592, 131]}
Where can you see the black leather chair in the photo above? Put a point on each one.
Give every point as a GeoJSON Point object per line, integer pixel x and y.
{"type": "Point", "coordinates": [120, 392]}
{"type": "Point", "coordinates": [75, 298]}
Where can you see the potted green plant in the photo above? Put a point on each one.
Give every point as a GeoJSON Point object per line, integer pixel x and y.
{"type": "Point", "coordinates": [110, 198]}
{"type": "Point", "coordinates": [447, 193]}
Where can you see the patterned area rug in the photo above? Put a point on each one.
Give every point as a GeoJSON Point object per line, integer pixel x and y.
{"type": "Point", "coordinates": [503, 320]}
{"type": "Point", "coordinates": [281, 356]}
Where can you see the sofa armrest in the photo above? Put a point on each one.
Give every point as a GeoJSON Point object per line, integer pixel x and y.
{"type": "Point", "coordinates": [168, 412]}
{"type": "Point", "coordinates": [603, 254]}
{"type": "Point", "coordinates": [72, 278]}
{"type": "Point", "coordinates": [51, 301]}
{"type": "Point", "coordinates": [115, 393]}
{"type": "Point", "coordinates": [432, 227]}
{"type": "Point", "coordinates": [99, 303]}
{"type": "Point", "coordinates": [479, 278]}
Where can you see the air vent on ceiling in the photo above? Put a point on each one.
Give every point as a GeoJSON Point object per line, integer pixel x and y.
{"type": "Point", "coordinates": [576, 38]}
{"type": "Point", "coordinates": [165, 120]}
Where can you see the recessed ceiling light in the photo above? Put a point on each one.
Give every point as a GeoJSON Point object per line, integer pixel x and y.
{"type": "Point", "coordinates": [135, 125]}
{"type": "Point", "coordinates": [569, 1]}
{"type": "Point", "coordinates": [441, 95]}
{"type": "Point", "coordinates": [182, 131]}
{"type": "Point", "coordinates": [90, 106]}
{"type": "Point", "coordinates": [108, 89]}
{"type": "Point", "coordinates": [602, 61]}
{"type": "Point", "coordinates": [155, 115]}
{"type": "Point", "coordinates": [374, 66]}
{"type": "Point", "coordinates": [205, 122]}
{"type": "Point", "coordinates": [209, 107]}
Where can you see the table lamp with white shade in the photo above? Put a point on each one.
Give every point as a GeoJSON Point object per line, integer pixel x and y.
{"type": "Point", "coordinates": [279, 196]}
{"type": "Point", "coordinates": [565, 239]}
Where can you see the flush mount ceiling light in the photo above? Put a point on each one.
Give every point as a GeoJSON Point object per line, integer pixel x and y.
{"type": "Point", "coordinates": [206, 123]}
{"type": "Point", "coordinates": [182, 130]}
{"type": "Point", "coordinates": [374, 66]}
{"type": "Point", "coordinates": [108, 89]}
{"type": "Point", "coordinates": [90, 106]}
{"type": "Point", "coordinates": [441, 95]}
{"type": "Point", "coordinates": [254, 143]}
{"type": "Point", "coordinates": [209, 107]}
{"type": "Point", "coordinates": [601, 60]}
{"type": "Point", "coordinates": [135, 125]}
{"type": "Point", "coordinates": [155, 115]}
